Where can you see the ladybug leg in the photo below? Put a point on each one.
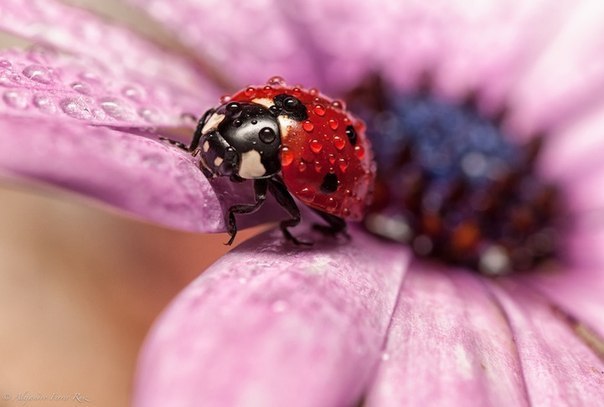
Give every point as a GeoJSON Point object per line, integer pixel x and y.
{"type": "Point", "coordinates": [175, 143]}
{"type": "Point", "coordinates": [334, 227]}
{"type": "Point", "coordinates": [199, 130]}
{"type": "Point", "coordinates": [279, 191]}
{"type": "Point", "coordinates": [260, 187]}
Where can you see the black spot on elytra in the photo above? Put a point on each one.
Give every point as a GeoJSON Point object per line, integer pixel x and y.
{"type": "Point", "coordinates": [330, 184]}
{"type": "Point", "coordinates": [352, 135]}
{"type": "Point", "coordinates": [290, 106]}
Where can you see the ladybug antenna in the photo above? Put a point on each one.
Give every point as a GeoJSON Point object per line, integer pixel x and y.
{"type": "Point", "coordinates": [198, 131]}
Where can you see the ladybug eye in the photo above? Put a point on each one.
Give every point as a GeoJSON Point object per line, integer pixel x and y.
{"type": "Point", "coordinates": [267, 135]}
{"type": "Point", "coordinates": [233, 107]}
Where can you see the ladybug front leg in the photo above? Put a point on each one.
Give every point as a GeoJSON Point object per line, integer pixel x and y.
{"type": "Point", "coordinates": [286, 201]}
{"type": "Point", "coordinates": [260, 186]}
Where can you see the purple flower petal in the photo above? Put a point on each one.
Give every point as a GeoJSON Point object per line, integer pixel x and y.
{"type": "Point", "coordinates": [250, 41]}
{"type": "Point", "coordinates": [66, 87]}
{"type": "Point", "coordinates": [148, 74]}
{"type": "Point", "coordinates": [273, 324]}
{"type": "Point", "coordinates": [141, 176]}
{"type": "Point", "coordinates": [448, 343]}
{"type": "Point", "coordinates": [557, 364]}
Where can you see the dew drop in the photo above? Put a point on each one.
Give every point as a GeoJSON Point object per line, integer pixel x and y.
{"type": "Point", "coordinates": [319, 110]}
{"type": "Point", "coordinates": [37, 73]}
{"type": "Point", "coordinates": [359, 151]}
{"type": "Point", "coordinates": [332, 203]}
{"type": "Point", "coordinates": [333, 124]}
{"type": "Point", "coordinates": [301, 166]}
{"type": "Point", "coordinates": [75, 108]}
{"type": "Point", "coordinates": [343, 164]}
{"type": "Point", "coordinates": [16, 78]}
{"type": "Point", "coordinates": [149, 114]}
{"type": "Point", "coordinates": [318, 166]}
{"type": "Point", "coordinates": [132, 92]}
{"type": "Point", "coordinates": [268, 87]}
{"type": "Point", "coordinates": [346, 212]}
{"type": "Point", "coordinates": [306, 194]}
{"type": "Point", "coordinates": [249, 91]}
{"type": "Point", "coordinates": [297, 91]}
{"type": "Point", "coordinates": [331, 158]}
{"type": "Point", "coordinates": [5, 64]}
{"type": "Point", "coordinates": [44, 103]}
{"type": "Point", "coordinates": [277, 81]}
{"type": "Point", "coordinates": [225, 99]}
{"type": "Point", "coordinates": [313, 91]}
{"type": "Point", "coordinates": [287, 156]}
{"type": "Point", "coordinates": [338, 104]}
{"type": "Point", "coordinates": [339, 142]}
{"type": "Point", "coordinates": [279, 306]}
{"type": "Point", "coordinates": [90, 77]}
{"type": "Point", "coordinates": [385, 356]}
{"type": "Point", "coordinates": [308, 126]}
{"type": "Point", "coordinates": [16, 99]}
{"type": "Point", "coordinates": [81, 87]}
{"type": "Point", "coordinates": [116, 109]}
{"type": "Point", "coordinates": [316, 146]}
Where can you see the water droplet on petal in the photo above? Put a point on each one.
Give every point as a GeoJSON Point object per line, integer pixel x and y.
{"type": "Point", "coordinates": [132, 92]}
{"type": "Point", "coordinates": [316, 146]}
{"type": "Point", "coordinates": [385, 356]}
{"type": "Point", "coordinates": [276, 80]}
{"type": "Point", "coordinates": [279, 306]}
{"type": "Point", "coordinates": [75, 108]}
{"type": "Point", "coordinates": [117, 109]}
{"type": "Point", "coordinates": [82, 88]}
{"type": "Point", "coordinates": [287, 156]}
{"type": "Point", "coordinates": [5, 64]}
{"type": "Point", "coordinates": [150, 115]}
{"type": "Point", "coordinates": [16, 99]}
{"type": "Point", "coordinates": [333, 124]}
{"type": "Point", "coordinates": [44, 103]}
{"type": "Point", "coordinates": [37, 73]}
{"type": "Point", "coordinates": [90, 77]}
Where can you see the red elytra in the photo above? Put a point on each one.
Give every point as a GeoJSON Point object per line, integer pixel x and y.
{"type": "Point", "coordinates": [321, 145]}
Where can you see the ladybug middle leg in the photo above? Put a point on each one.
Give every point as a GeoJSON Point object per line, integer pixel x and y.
{"type": "Point", "coordinates": [260, 187]}
{"type": "Point", "coordinates": [279, 191]}
{"type": "Point", "coordinates": [196, 136]}
{"type": "Point", "coordinates": [334, 227]}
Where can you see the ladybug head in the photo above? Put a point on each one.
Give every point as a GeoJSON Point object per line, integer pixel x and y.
{"type": "Point", "coordinates": [242, 140]}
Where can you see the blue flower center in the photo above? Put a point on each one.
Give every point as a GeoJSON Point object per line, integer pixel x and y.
{"type": "Point", "coordinates": [452, 185]}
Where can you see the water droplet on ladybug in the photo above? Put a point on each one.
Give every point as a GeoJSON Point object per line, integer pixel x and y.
{"type": "Point", "coordinates": [308, 126]}
{"type": "Point", "coordinates": [301, 166]}
{"type": "Point", "coordinates": [237, 123]}
{"type": "Point", "coordinates": [346, 212]}
{"type": "Point", "coordinates": [331, 158]}
{"type": "Point", "coordinates": [318, 166]}
{"type": "Point", "coordinates": [276, 80]}
{"type": "Point", "coordinates": [333, 124]}
{"type": "Point", "coordinates": [316, 146]}
{"type": "Point", "coordinates": [249, 91]}
{"type": "Point", "coordinates": [313, 91]}
{"type": "Point", "coordinates": [254, 121]}
{"type": "Point", "coordinates": [225, 99]}
{"type": "Point", "coordinates": [332, 204]}
{"type": "Point", "coordinates": [306, 194]}
{"type": "Point", "coordinates": [319, 110]}
{"type": "Point", "coordinates": [297, 91]}
{"type": "Point", "coordinates": [287, 156]}
{"type": "Point", "coordinates": [267, 135]}
{"type": "Point", "coordinates": [268, 87]}
{"type": "Point", "coordinates": [338, 104]}
{"type": "Point", "coordinates": [343, 164]}
{"type": "Point", "coordinates": [339, 142]}
{"type": "Point", "coordinates": [359, 151]}
{"type": "Point", "coordinates": [233, 107]}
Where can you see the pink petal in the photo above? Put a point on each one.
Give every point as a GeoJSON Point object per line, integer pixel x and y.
{"type": "Point", "coordinates": [250, 41]}
{"type": "Point", "coordinates": [568, 78]}
{"type": "Point", "coordinates": [558, 367]}
{"type": "Point", "coordinates": [448, 344]}
{"type": "Point", "coordinates": [132, 173]}
{"type": "Point", "coordinates": [109, 51]}
{"type": "Point", "coordinates": [53, 85]}
{"type": "Point", "coordinates": [271, 324]}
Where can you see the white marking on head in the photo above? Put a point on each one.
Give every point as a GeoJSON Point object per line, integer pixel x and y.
{"type": "Point", "coordinates": [266, 102]}
{"type": "Point", "coordinates": [251, 167]}
{"type": "Point", "coordinates": [218, 161]}
{"type": "Point", "coordinates": [212, 123]}
{"type": "Point", "coordinates": [284, 125]}
{"type": "Point", "coordinates": [206, 147]}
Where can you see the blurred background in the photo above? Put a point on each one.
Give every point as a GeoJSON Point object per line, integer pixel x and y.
{"type": "Point", "coordinates": [80, 284]}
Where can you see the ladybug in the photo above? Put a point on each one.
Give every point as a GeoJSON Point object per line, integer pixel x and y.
{"type": "Point", "coordinates": [290, 141]}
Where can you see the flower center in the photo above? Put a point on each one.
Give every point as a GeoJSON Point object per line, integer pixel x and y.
{"type": "Point", "coordinates": [452, 186]}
